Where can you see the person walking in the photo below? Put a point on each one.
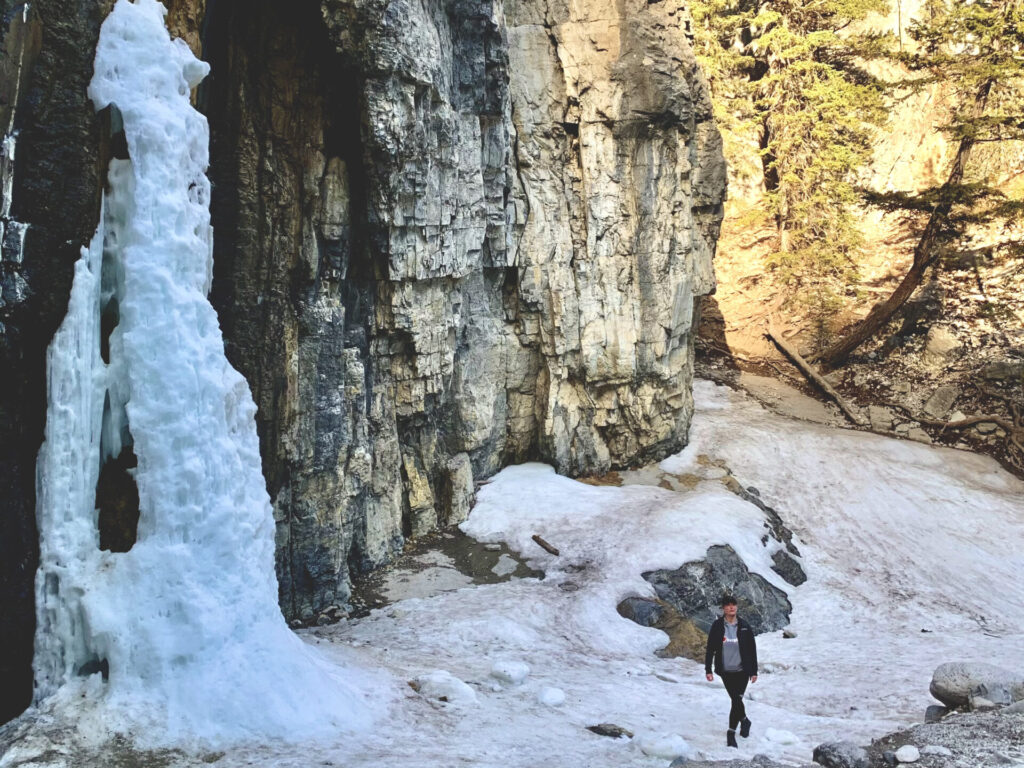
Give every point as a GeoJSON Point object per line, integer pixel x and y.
{"type": "Point", "coordinates": [732, 648]}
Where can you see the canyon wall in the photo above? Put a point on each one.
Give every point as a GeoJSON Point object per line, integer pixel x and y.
{"type": "Point", "coordinates": [449, 235]}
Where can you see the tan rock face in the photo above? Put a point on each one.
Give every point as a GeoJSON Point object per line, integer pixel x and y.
{"type": "Point", "coordinates": [451, 236]}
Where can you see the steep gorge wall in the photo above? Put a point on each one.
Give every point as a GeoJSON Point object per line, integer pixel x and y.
{"type": "Point", "coordinates": [449, 235]}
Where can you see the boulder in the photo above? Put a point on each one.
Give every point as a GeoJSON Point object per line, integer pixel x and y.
{"type": "Point", "coordinates": [1003, 370]}
{"type": "Point", "coordinates": [841, 754]}
{"type": "Point", "coordinates": [695, 590]}
{"type": "Point", "coordinates": [908, 753]}
{"type": "Point", "coordinates": [954, 683]}
{"type": "Point", "coordinates": [880, 417]}
{"type": "Point", "coordinates": [941, 346]}
{"type": "Point", "coordinates": [642, 610]}
{"type": "Point", "coordinates": [788, 568]}
{"type": "Point", "coordinates": [941, 401]}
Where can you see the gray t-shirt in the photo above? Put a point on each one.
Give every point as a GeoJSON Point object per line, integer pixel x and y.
{"type": "Point", "coordinates": [731, 661]}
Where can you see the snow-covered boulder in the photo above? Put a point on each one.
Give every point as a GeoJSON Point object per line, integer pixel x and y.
{"type": "Point", "coordinates": [443, 686]}
{"type": "Point", "coordinates": [666, 746]}
{"type": "Point", "coordinates": [550, 696]}
{"type": "Point", "coordinates": [510, 672]}
{"type": "Point", "coordinates": [954, 683]}
{"type": "Point", "coordinates": [908, 753]}
{"type": "Point", "coordinates": [841, 754]}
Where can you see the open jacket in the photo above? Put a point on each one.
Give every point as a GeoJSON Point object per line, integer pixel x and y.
{"type": "Point", "coordinates": [748, 648]}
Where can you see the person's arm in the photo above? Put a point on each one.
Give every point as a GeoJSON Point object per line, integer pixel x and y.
{"type": "Point", "coordinates": [753, 651]}
{"type": "Point", "coordinates": [709, 653]}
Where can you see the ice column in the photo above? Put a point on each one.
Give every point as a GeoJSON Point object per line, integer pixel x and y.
{"type": "Point", "coordinates": [185, 624]}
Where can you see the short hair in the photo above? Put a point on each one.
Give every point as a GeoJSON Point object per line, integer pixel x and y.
{"type": "Point", "coordinates": [728, 600]}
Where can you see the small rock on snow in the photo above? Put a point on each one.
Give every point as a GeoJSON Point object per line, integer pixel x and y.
{"type": "Point", "coordinates": [611, 730]}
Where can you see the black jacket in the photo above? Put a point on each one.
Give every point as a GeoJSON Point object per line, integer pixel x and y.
{"type": "Point", "coordinates": [748, 648]}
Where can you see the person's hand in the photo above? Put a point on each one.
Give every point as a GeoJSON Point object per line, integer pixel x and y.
{"type": "Point", "coordinates": [753, 678]}
{"type": "Point", "coordinates": [711, 678]}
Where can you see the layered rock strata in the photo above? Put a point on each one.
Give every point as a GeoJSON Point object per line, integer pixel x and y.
{"type": "Point", "coordinates": [465, 235]}
{"type": "Point", "coordinates": [449, 235]}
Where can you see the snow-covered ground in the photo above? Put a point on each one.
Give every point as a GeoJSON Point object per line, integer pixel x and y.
{"type": "Point", "coordinates": [913, 554]}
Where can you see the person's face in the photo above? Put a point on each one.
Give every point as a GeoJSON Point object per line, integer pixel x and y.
{"type": "Point", "coordinates": [729, 611]}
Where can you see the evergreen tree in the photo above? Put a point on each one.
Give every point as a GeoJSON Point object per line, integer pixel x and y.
{"type": "Point", "coordinates": [977, 48]}
{"type": "Point", "coordinates": [790, 69]}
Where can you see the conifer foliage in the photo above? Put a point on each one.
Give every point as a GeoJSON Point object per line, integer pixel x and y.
{"type": "Point", "coordinates": [975, 47]}
{"type": "Point", "coordinates": [790, 69]}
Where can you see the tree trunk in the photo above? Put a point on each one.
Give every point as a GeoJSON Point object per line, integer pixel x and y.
{"type": "Point", "coordinates": [924, 255]}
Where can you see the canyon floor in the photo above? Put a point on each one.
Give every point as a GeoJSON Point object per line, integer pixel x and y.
{"type": "Point", "coordinates": [913, 554]}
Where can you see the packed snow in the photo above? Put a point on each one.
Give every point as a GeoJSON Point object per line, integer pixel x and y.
{"type": "Point", "coordinates": [186, 622]}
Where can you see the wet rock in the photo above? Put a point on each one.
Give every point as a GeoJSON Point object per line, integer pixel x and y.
{"type": "Point", "coordinates": [610, 730]}
{"type": "Point", "coordinates": [643, 611]}
{"type": "Point", "coordinates": [788, 568]}
{"type": "Point", "coordinates": [695, 590]}
{"type": "Point", "coordinates": [841, 754]}
{"type": "Point", "coordinates": [953, 683]}
{"type": "Point", "coordinates": [935, 712]}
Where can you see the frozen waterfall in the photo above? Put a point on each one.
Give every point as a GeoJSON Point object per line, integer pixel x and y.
{"type": "Point", "coordinates": [177, 634]}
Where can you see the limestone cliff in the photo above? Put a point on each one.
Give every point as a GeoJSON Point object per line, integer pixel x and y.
{"type": "Point", "coordinates": [449, 235]}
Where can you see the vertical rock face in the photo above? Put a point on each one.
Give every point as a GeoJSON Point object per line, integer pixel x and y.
{"type": "Point", "coordinates": [452, 235]}
{"type": "Point", "coordinates": [449, 235]}
{"type": "Point", "coordinates": [49, 203]}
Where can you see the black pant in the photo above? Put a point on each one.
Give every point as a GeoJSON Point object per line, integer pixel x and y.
{"type": "Point", "coordinates": [736, 684]}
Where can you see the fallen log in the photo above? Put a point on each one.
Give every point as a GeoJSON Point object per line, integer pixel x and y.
{"type": "Point", "coordinates": [808, 370]}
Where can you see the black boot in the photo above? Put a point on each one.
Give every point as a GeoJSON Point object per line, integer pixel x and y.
{"type": "Point", "coordinates": [730, 738]}
{"type": "Point", "coordinates": [744, 728]}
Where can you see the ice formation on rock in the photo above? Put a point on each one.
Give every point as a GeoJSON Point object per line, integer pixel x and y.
{"type": "Point", "coordinates": [184, 626]}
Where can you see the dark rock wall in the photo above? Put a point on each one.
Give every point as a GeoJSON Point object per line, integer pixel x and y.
{"type": "Point", "coordinates": [50, 205]}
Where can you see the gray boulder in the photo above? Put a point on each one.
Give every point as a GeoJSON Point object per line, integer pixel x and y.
{"type": "Point", "coordinates": [788, 568]}
{"type": "Point", "coordinates": [841, 754]}
{"type": "Point", "coordinates": [695, 590]}
{"type": "Point", "coordinates": [954, 683]}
